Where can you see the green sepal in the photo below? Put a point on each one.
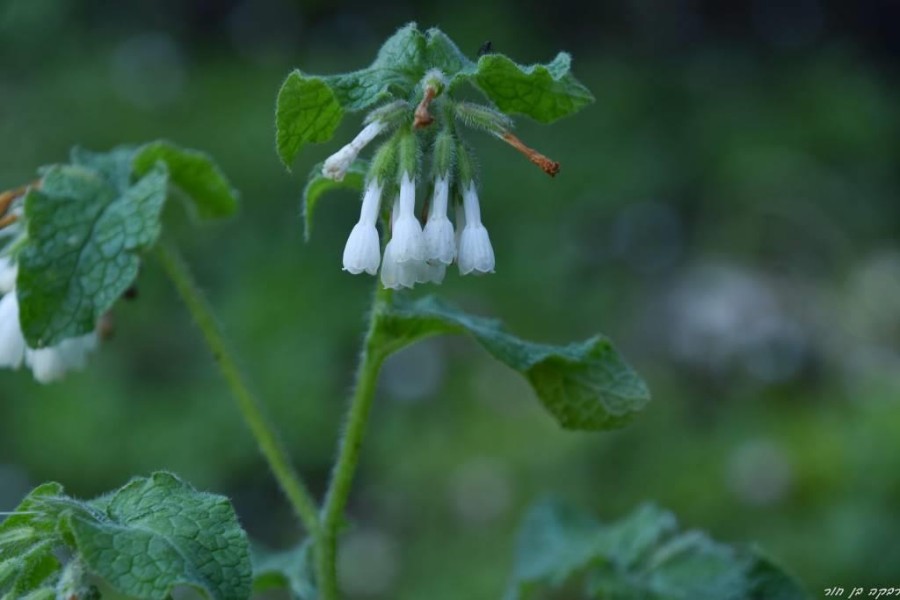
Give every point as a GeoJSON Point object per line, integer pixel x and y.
{"type": "Point", "coordinates": [407, 154]}
{"type": "Point", "coordinates": [443, 154]}
{"type": "Point", "coordinates": [478, 116]}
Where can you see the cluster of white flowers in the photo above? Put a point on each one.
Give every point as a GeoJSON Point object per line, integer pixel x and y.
{"type": "Point", "coordinates": [47, 364]}
{"type": "Point", "coordinates": [413, 254]}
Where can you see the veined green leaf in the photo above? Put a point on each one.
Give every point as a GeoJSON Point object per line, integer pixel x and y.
{"type": "Point", "coordinates": [396, 71]}
{"type": "Point", "coordinates": [543, 92]}
{"type": "Point", "coordinates": [307, 110]}
{"type": "Point", "coordinates": [145, 539]}
{"type": "Point", "coordinates": [195, 172]}
{"type": "Point", "coordinates": [642, 557]}
{"type": "Point", "coordinates": [84, 236]}
{"type": "Point", "coordinates": [586, 385]}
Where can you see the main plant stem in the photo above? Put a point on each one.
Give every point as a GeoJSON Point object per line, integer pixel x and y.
{"type": "Point", "coordinates": [348, 451]}
{"type": "Point", "coordinates": [249, 405]}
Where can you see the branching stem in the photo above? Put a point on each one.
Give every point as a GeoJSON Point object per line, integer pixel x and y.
{"type": "Point", "coordinates": [250, 406]}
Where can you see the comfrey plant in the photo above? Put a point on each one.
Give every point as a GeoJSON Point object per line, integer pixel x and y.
{"type": "Point", "coordinates": [73, 241]}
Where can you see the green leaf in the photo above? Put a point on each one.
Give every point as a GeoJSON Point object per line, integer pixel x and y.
{"type": "Point", "coordinates": [27, 560]}
{"type": "Point", "coordinates": [585, 385]}
{"type": "Point", "coordinates": [82, 252]}
{"type": "Point", "coordinates": [159, 533]}
{"type": "Point", "coordinates": [115, 166]}
{"type": "Point", "coordinates": [642, 557]}
{"type": "Point", "coordinates": [441, 53]}
{"type": "Point", "coordinates": [144, 539]}
{"type": "Point", "coordinates": [317, 185]}
{"type": "Point", "coordinates": [396, 71]}
{"type": "Point", "coordinates": [306, 110]}
{"type": "Point", "coordinates": [195, 172]}
{"type": "Point", "coordinates": [543, 92]}
{"type": "Point", "coordinates": [290, 570]}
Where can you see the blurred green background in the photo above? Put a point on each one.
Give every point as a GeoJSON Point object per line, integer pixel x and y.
{"type": "Point", "coordinates": [727, 212]}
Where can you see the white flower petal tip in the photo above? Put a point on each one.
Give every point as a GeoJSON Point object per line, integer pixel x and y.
{"type": "Point", "coordinates": [337, 164]}
{"type": "Point", "coordinates": [8, 272]}
{"type": "Point", "coordinates": [475, 251]}
{"type": "Point", "coordinates": [396, 274]}
{"type": "Point", "coordinates": [362, 253]}
{"type": "Point", "coordinates": [433, 272]}
{"type": "Point", "coordinates": [440, 240]}
{"type": "Point", "coordinates": [12, 341]}
{"type": "Point", "coordinates": [409, 245]}
{"type": "Point", "coordinates": [51, 364]}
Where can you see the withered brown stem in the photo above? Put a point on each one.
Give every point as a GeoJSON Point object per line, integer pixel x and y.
{"type": "Point", "coordinates": [548, 166]}
{"type": "Point", "coordinates": [423, 118]}
{"type": "Point", "coordinates": [8, 220]}
{"type": "Point", "coordinates": [9, 196]}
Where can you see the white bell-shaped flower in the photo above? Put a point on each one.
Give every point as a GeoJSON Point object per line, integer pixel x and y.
{"type": "Point", "coordinates": [475, 251]}
{"type": "Point", "coordinates": [440, 241]}
{"type": "Point", "coordinates": [394, 273]}
{"type": "Point", "coordinates": [12, 341]}
{"type": "Point", "coordinates": [51, 364]}
{"type": "Point", "coordinates": [336, 165]}
{"type": "Point", "coordinates": [363, 249]}
{"type": "Point", "coordinates": [432, 272]}
{"type": "Point", "coordinates": [406, 234]}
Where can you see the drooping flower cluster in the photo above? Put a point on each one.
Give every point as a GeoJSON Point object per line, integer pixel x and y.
{"type": "Point", "coordinates": [414, 253]}
{"type": "Point", "coordinates": [47, 364]}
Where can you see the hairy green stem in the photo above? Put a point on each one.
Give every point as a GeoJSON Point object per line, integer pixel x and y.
{"type": "Point", "coordinates": [349, 450]}
{"type": "Point", "coordinates": [249, 405]}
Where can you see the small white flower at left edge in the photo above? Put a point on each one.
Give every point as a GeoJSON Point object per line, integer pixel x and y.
{"type": "Point", "coordinates": [8, 273]}
{"type": "Point", "coordinates": [51, 364]}
{"type": "Point", "coordinates": [12, 341]}
{"type": "Point", "coordinates": [336, 165]}
{"type": "Point", "coordinates": [363, 249]}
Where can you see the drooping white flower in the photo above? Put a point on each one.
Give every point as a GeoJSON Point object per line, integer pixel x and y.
{"type": "Point", "coordinates": [12, 341]}
{"type": "Point", "coordinates": [47, 364]}
{"type": "Point", "coordinates": [475, 251]}
{"type": "Point", "coordinates": [363, 249]}
{"type": "Point", "coordinates": [51, 364]}
{"type": "Point", "coordinates": [406, 234]}
{"type": "Point", "coordinates": [432, 272]}
{"type": "Point", "coordinates": [8, 272]}
{"type": "Point", "coordinates": [440, 241]}
{"type": "Point", "coordinates": [336, 165]}
{"type": "Point", "coordinates": [396, 274]}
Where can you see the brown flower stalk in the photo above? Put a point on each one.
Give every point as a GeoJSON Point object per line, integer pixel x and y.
{"type": "Point", "coordinates": [548, 166]}
{"type": "Point", "coordinates": [8, 220]}
{"type": "Point", "coordinates": [422, 117]}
